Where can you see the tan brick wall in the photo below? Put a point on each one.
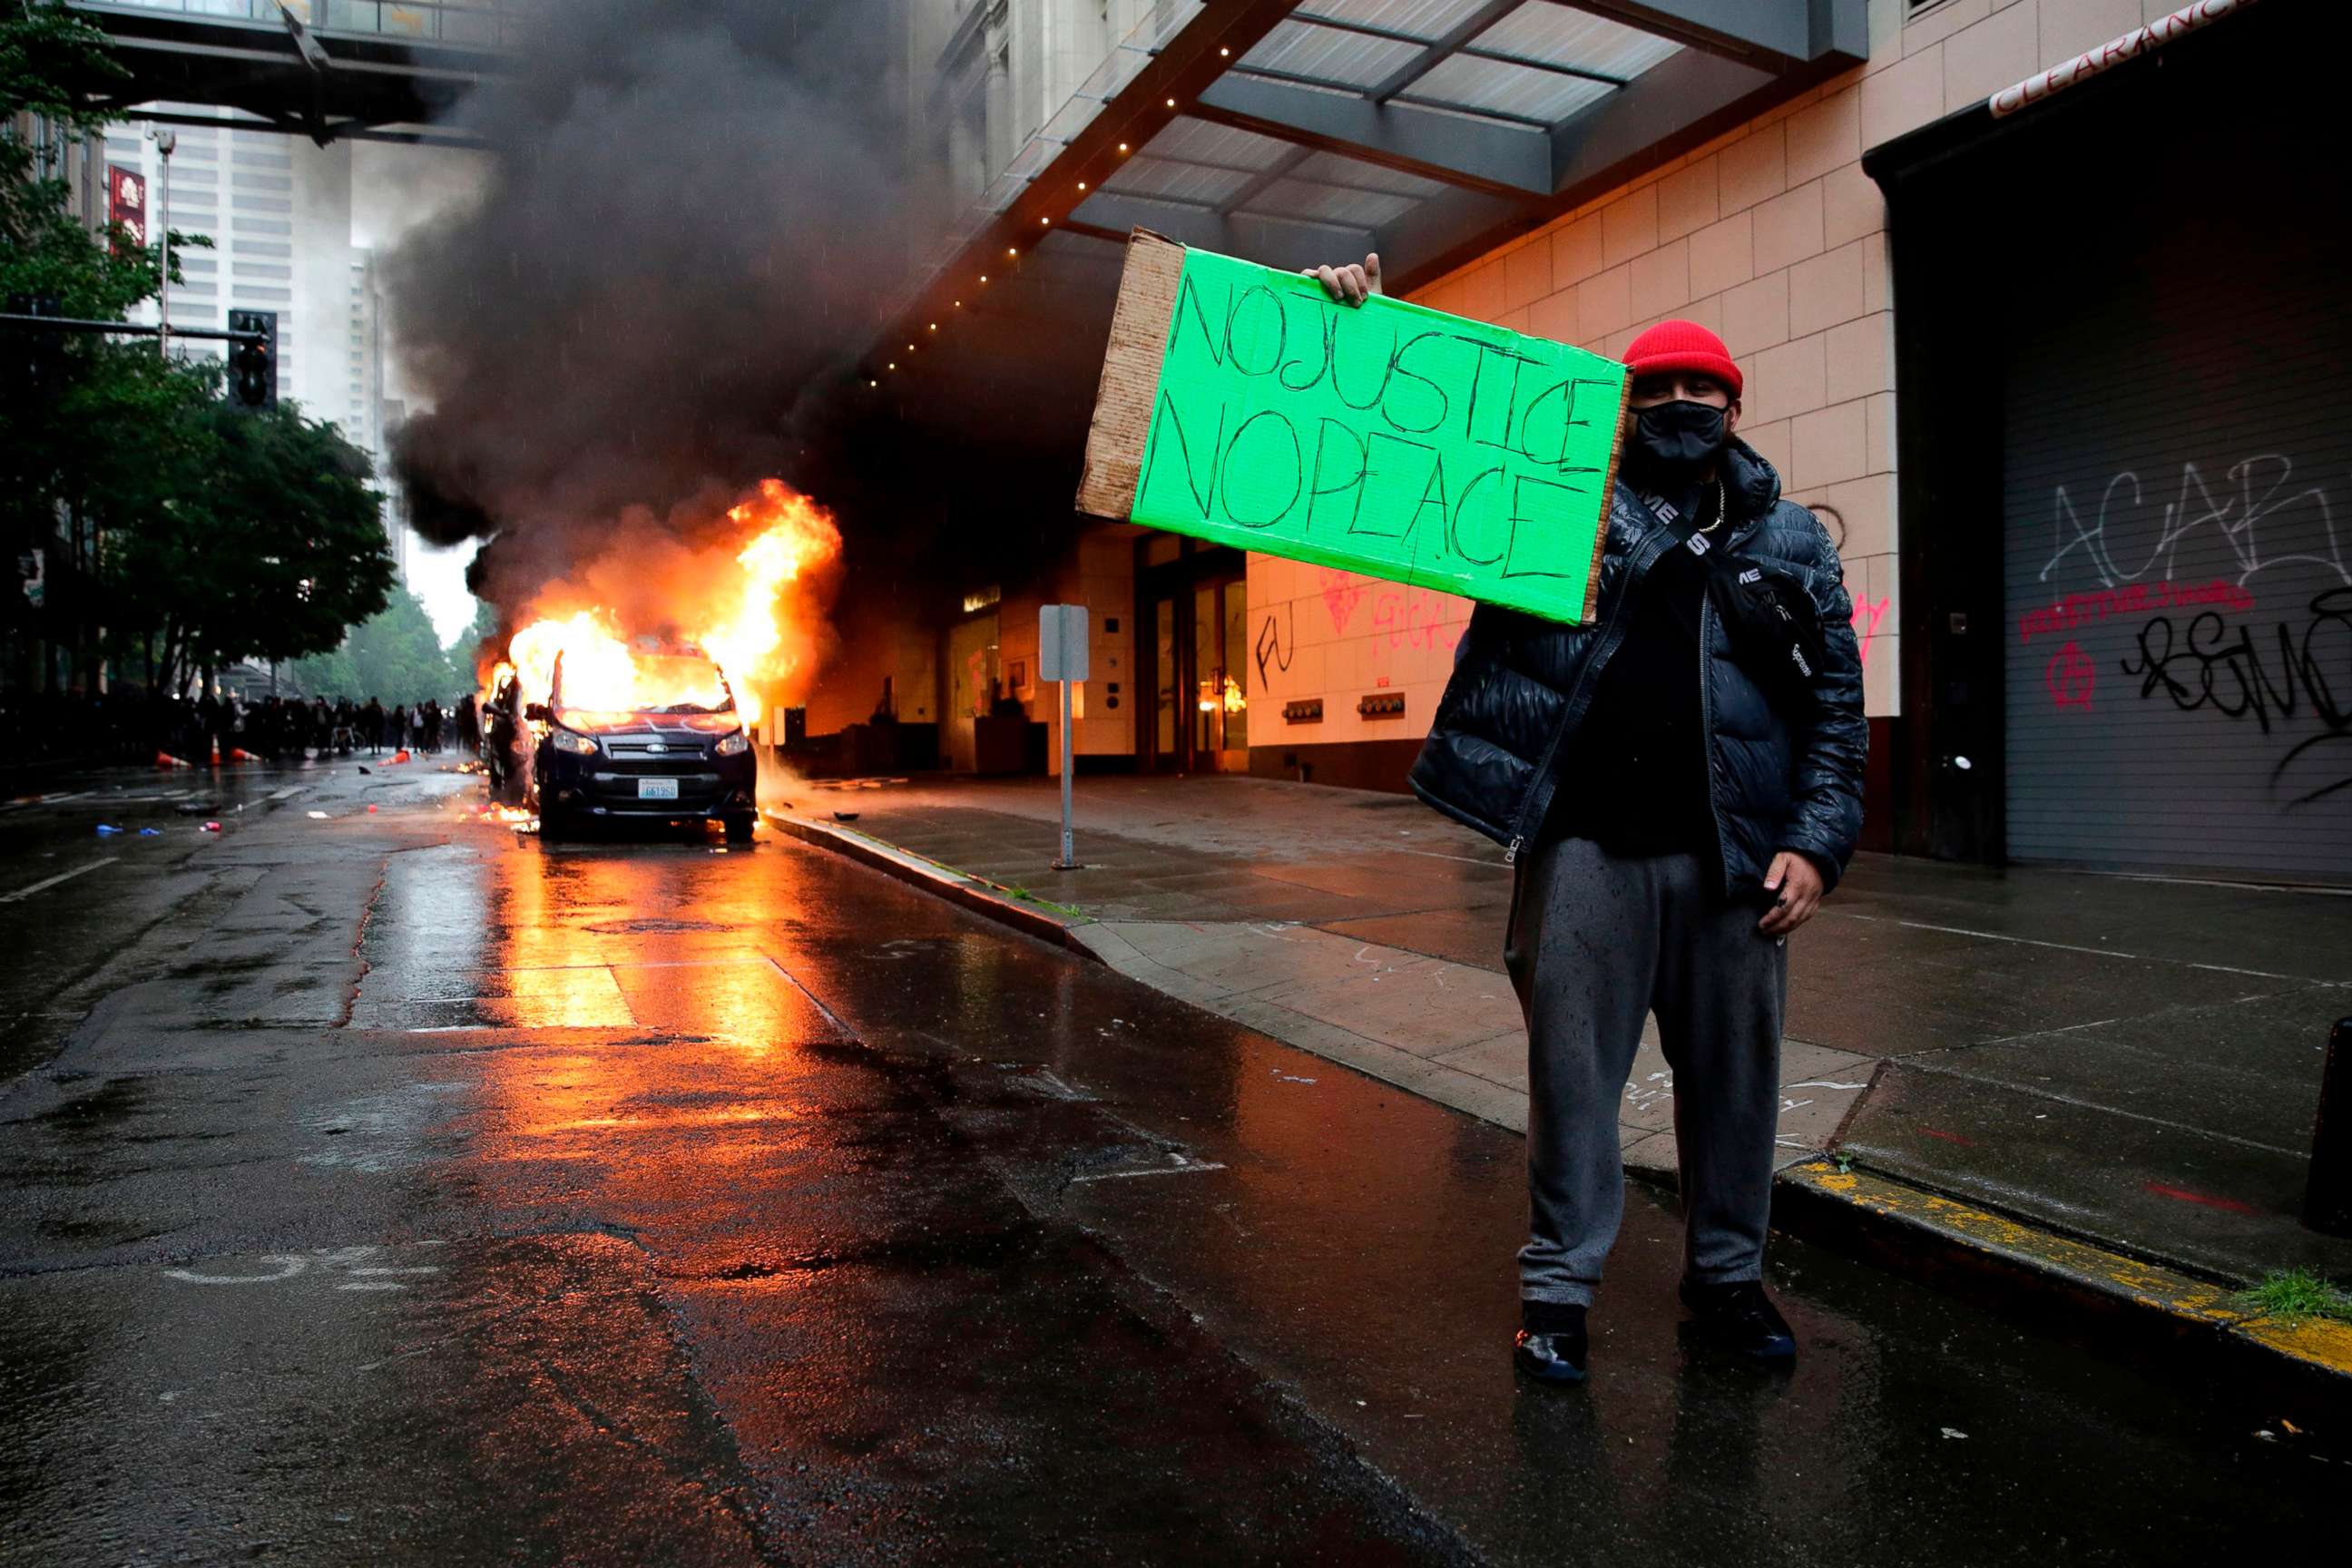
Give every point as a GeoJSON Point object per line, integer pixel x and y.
{"type": "Point", "coordinates": [1099, 575]}
{"type": "Point", "coordinates": [1773, 237]}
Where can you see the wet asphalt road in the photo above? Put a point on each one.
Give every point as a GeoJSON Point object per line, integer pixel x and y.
{"type": "Point", "coordinates": [386, 1187]}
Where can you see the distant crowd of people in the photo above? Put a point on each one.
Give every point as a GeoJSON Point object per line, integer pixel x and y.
{"type": "Point", "coordinates": [128, 725]}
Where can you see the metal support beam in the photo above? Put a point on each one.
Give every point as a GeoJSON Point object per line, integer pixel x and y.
{"type": "Point", "coordinates": [1203, 228]}
{"type": "Point", "coordinates": [1453, 38]}
{"type": "Point", "coordinates": [124, 329]}
{"type": "Point", "coordinates": [1474, 50]}
{"type": "Point", "coordinates": [337, 131]}
{"type": "Point", "coordinates": [1680, 102]}
{"type": "Point", "coordinates": [1281, 168]}
{"type": "Point", "coordinates": [1773, 35]}
{"type": "Point", "coordinates": [1476, 154]}
{"type": "Point", "coordinates": [1255, 236]}
{"type": "Point", "coordinates": [280, 70]}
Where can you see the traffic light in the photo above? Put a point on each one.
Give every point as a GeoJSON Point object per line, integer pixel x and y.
{"type": "Point", "coordinates": [253, 366]}
{"type": "Point", "coordinates": [36, 358]}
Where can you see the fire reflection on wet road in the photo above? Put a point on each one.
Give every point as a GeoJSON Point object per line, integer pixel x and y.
{"type": "Point", "coordinates": [667, 1202]}
{"type": "Point", "coordinates": [902, 1349]}
{"type": "Point", "coordinates": [880, 1206]}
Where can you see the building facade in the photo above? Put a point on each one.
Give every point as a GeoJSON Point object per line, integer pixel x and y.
{"type": "Point", "coordinates": [2040, 315]}
{"type": "Point", "coordinates": [278, 212]}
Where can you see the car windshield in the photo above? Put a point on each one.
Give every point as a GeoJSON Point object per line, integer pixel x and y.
{"type": "Point", "coordinates": [647, 683]}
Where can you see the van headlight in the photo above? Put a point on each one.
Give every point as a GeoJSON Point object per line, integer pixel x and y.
{"type": "Point", "coordinates": [734, 745]}
{"type": "Point", "coordinates": [577, 744]}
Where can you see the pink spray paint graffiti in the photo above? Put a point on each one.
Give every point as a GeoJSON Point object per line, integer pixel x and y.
{"type": "Point", "coordinates": [1341, 589]}
{"type": "Point", "coordinates": [2071, 677]}
{"type": "Point", "coordinates": [1417, 618]}
{"type": "Point", "coordinates": [1867, 614]}
{"type": "Point", "coordinates": [1866, 618]}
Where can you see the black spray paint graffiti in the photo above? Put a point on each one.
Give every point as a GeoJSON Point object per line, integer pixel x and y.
{"type": "Point", "coordinates": [2257, 491]}
{"type": "Point", "coordinates": [1831, 519]}
{"type": "Point", "coordinates": [1270, 647]}
{"type": "Point", "coordinates": [2210, 665]}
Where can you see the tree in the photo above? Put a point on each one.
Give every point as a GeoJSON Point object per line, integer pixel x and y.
{"type": "Point", "coordinates": [393, 657]}
{"type": "Point", "coordinates": [465, 652]}
{"type": "Point", "coordinates": [96, 438]}
{"type": "Point", "coordinates": [237, 534]}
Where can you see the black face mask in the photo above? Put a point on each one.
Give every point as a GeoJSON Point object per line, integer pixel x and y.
{"type": "Point", "coordinates": [1676, 438]}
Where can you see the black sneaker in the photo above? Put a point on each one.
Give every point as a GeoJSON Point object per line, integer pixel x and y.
{"type": "Point", "coordinates": [1551, 1342]}
{"type": "Point", "coordinates": [1741, 1317]}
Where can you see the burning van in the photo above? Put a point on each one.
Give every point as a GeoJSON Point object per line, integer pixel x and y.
{"type": "Point", "coordinates": [653, 737]}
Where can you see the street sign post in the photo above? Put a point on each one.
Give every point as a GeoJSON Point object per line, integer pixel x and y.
{"type": "Point", "coordinates": [1062, 656]}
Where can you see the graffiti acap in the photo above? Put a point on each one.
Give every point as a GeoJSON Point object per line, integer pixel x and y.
{"type": "Point", "coordinates": [2236, 518]}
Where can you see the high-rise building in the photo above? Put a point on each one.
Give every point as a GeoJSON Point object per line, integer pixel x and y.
{"type": "Point", "coordinates": [278, 210]}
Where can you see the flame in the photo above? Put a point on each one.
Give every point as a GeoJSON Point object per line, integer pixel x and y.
{"type": "Point", "coordinates": [640, 626]}
{"type": "Point", "coordinates": [794, 533]}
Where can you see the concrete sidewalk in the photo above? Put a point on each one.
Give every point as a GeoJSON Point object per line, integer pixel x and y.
{"type": "Point", "coordinates": [2128, 1062]}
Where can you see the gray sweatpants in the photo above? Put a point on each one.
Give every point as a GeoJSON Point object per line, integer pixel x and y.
{"type": "Point", "coordinates": [1596, 943]}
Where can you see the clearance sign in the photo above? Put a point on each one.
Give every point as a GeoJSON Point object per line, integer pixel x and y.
{"type": "Point", "coordinates": [2113, 52]}
{"type": "Point", "coordinates": [1243, 405]}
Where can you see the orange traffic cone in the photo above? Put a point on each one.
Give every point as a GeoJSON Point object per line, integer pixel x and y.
{"type": "Point", "coordinates": [216, 751]}
{"type": "Point", "coordinates": [166, 760]}
{"type": "Point", "coordinates": [399, 756]}
{"type": "Point", "coordinates": [239, 755]}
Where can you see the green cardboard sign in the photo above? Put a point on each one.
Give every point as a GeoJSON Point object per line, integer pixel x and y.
{"type": "Point", "coordinates": [1386, 438]}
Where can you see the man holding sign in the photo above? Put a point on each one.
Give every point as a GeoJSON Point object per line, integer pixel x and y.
{"type": "Point", "coordinates": [1678, 779]}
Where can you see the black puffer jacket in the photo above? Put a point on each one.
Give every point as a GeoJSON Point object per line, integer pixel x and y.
{"type": "Point", "coordinates": [1508, 722]}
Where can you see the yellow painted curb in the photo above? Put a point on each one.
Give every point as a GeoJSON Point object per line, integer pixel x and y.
{"type": "Point", "coordinates": [2318, 1342]}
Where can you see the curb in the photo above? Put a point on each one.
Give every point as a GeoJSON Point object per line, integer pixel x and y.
{"type": "Point", "coordinates": [2102, 1297]}
{"type": "Point", "coordinates": [976, 894]}
{"type": "Point", "coordinates": [2080, 1291]}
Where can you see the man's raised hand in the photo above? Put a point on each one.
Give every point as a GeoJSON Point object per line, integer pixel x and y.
{"type": "Point", "coordinates": [1351, 284]}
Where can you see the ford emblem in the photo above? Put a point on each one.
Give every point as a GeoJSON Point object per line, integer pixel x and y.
{"type": "Point", "coordinates": [656, 746]}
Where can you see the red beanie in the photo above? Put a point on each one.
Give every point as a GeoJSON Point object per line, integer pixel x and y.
{"type": "Point", "coordinates": [1683, 345]}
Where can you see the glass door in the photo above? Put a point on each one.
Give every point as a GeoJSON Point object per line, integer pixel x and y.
{"type": "Point", "coordinates": [1165, 754]}
{"type": "Point", "coordinates": [1196, 605]}
{"type": "Point", "coordinates": [1220, 676]}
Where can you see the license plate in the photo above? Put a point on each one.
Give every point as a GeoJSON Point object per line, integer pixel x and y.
{"type": "Point", "coordinates": [657, 789]}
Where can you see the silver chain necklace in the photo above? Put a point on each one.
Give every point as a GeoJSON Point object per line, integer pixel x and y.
{"type": "Point", "coordinates": [1719, 513]}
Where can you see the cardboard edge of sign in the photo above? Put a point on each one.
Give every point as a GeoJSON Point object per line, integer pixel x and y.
{"type": "Point", "coordinates": [1139, 325]}
{"type": "Point", "coordinates": [1131, 374]}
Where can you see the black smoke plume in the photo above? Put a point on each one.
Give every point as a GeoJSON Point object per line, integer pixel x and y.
{"type": "Point", "coordinates": [694, 218]}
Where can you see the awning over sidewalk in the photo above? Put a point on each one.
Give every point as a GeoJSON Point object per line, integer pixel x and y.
{"type": "Point", "coordinates": [1294, 131]}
